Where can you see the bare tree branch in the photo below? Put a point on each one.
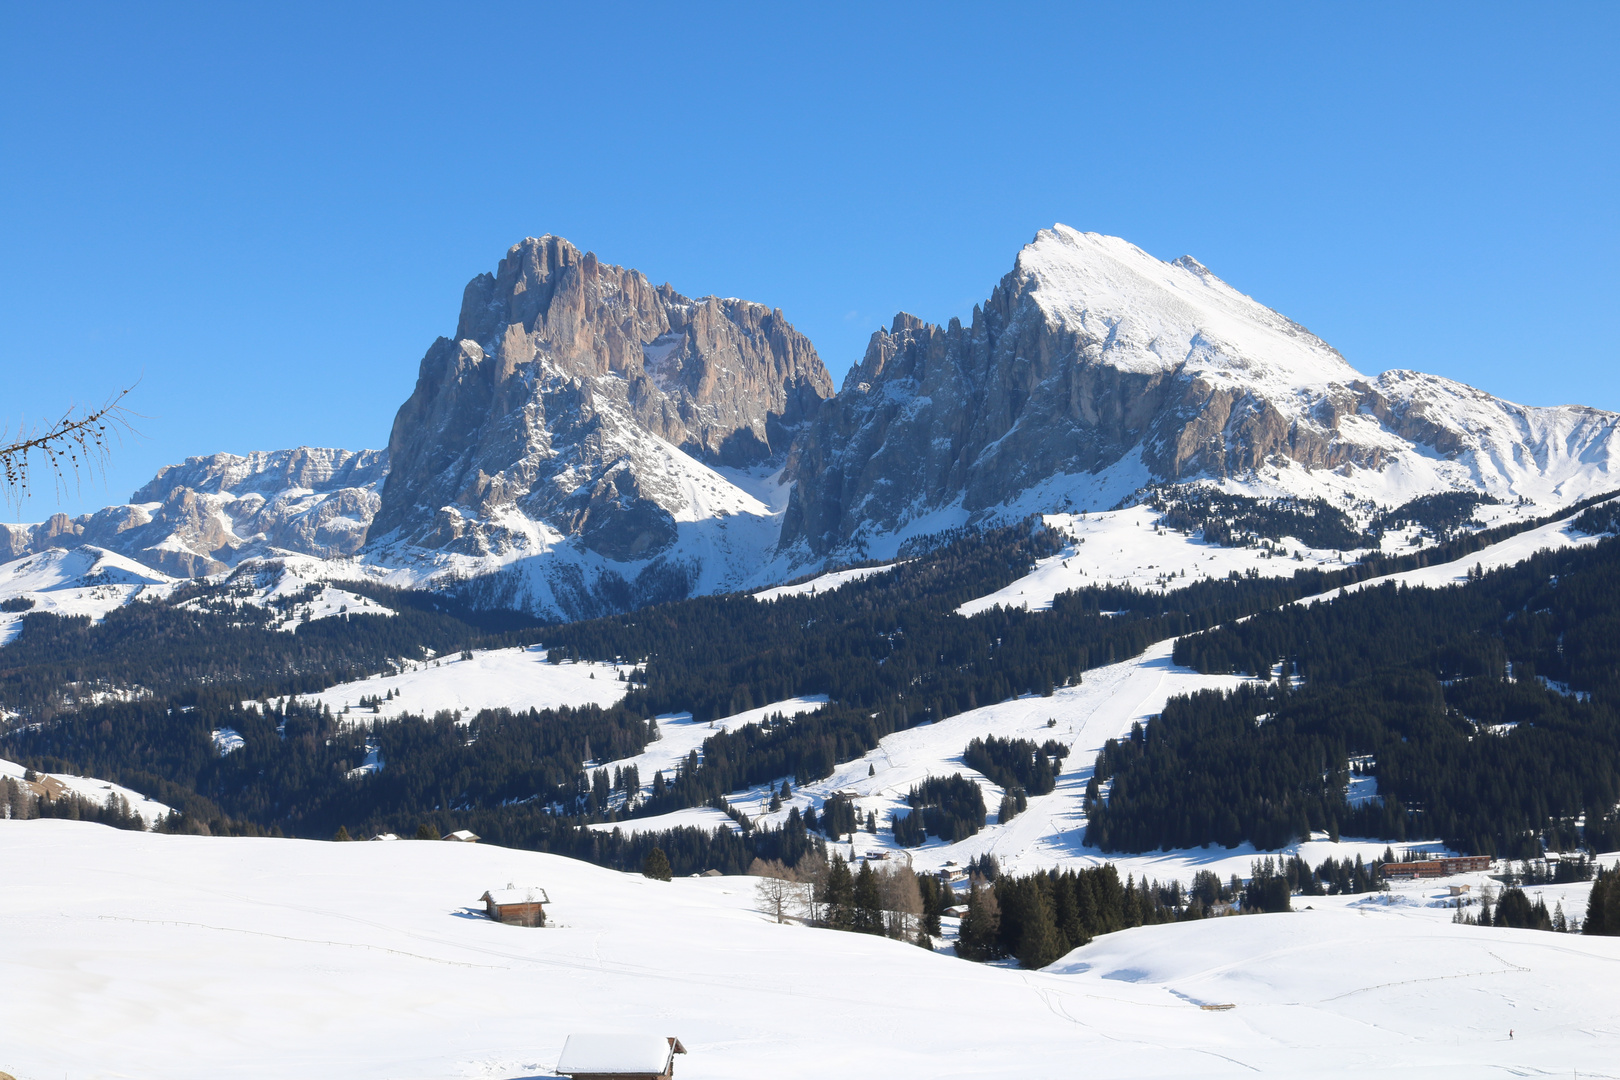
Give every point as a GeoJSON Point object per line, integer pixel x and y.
{"type": "Point", "coordinates": [76, 444]}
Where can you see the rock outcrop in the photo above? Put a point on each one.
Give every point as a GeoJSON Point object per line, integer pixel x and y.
{"type": "Point", "coordinates": [549, 415]}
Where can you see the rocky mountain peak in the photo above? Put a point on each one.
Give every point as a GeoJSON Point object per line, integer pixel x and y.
{"type": "Point", "coordinates": [544, 416]}
{"type": "Point", "coordinates": [1094, 368]}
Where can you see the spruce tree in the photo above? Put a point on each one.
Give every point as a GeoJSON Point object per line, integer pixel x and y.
{"type": "Point", "coordinates": [981, 926]}
{"type": "Point", "coordinates": [1603, 905]}
{"type": "Point", "coordinates": [840, 898]}
{"type": "Point", "coordinates": [868, 903]}
{"type": "Point", "coordinates": [656, 865]}
{"type": "Point", "coordinates": [1039, 943]}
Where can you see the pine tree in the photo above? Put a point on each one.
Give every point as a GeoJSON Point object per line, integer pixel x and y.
{"type": "Point", "coordinates": [1603, 906]}
{"type": "Point", "coordinates": [840, 898]}
{"type": "Point", "coordinates": [656, 865]}
{"type": "Point", "coordinates": [342, 834]}
{"type": "Point", "coordinates": [868, 917]}
{"type": "Point", "coordinates": [1039, 943]}
{"type": "Point", "coordinates": [981, 926]}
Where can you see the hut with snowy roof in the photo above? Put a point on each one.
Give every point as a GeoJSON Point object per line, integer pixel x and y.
{"type": "Point", "coordinates": [517, 906]}
{"type": "Point", "coordinates": [619, 1057]}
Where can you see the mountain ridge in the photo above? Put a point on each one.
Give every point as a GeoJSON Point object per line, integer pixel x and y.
{"type": "Point", "coordinates": [1091, 353]}
{"type": "Point", "coordinates": [589, 442]}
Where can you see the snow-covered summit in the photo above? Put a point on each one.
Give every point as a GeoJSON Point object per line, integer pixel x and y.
{"type": "Point", "coordinates": [1152, 316]}
{"type": "Point", "coordinates": [1094, 369]}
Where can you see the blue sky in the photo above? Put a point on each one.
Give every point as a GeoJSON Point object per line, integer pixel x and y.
{"type": "Point", "coordinates": [268, 213]}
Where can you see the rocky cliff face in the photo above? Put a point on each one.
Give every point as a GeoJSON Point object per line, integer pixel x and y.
{"type": "Point", "coordinates": [1094, 368]}
{"type": "Point", "coordinates": [208, 514]}
{"type": "Point", "coordinates": [552, 412]}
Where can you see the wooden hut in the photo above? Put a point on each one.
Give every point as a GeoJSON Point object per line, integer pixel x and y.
{"type": "Point", "coordinates": [519, 907]}
{"type": "Point", "coordinates": [465, 836]}
{"type": "Point", "coordinates": [619, 1057]}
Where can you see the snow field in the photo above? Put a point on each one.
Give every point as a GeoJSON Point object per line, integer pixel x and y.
{"type": "Point", "coordinates": [1555, 536]}
{"type": "Point", "coordinates": [201, 957]}
{"type": "Point", "coordinates": [1103, 706]}
{"type": "Point", "coordinates": [1049, 832]}
{"type": "Point", "coordinates": [517, 679]}
{"type": "Point", "coordinates": [1122, 547]}
{"type": "Point", "coordinates": [824, 583]}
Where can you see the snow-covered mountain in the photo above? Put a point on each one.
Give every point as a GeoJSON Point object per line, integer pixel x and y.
{"type": "Point", "coordinates": [587, 442]}
{"type": "Point", "coordinates": [1094, 369]}
{"type": "Point", "coordinates": [210, 513]}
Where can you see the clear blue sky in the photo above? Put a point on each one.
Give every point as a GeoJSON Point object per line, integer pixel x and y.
{"type": "Point", "coordinates": [269, 212]}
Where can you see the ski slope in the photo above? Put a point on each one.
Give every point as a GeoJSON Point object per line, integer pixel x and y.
{"type": "Point", "coordinates": [1049, 832]}
{"type": "Point", "coordinates": [1555, 536]}
{"type": "Point", "coordinates": [197, 957]}
{"type": "Point", "coordinates": [516, 678]}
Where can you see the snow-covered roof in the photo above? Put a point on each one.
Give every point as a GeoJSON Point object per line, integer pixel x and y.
{"type": "Point", "coordinates": [618, 1053]}
{"type": "Point", "coordinates": [466, 836]}
{"type": "Point", "coordinates": [528, 894]}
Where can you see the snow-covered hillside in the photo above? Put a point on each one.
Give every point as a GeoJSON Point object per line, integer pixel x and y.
{"type": "Point", "coordinates": [196, 956]}
{"type": "Point", "coordinates": [1104, 705]}
{"type": "Point", "coordinates": [84, 580]}
{"type": "Point", "coordinates": [516, 678]}
{"type": "Point", "coordinates": [1127, 547]}
{"type": "Point", "coordinates": [56, 785]}
{"type": "Point", "coordinates": [823, 582]}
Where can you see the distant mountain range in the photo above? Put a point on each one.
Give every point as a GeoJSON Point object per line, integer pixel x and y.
{"type": "Point", "coordinates": [588, 442]}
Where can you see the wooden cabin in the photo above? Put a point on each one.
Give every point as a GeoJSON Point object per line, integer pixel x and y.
{"type": "Point", "coordinates": [619, 1057]}
{"type": "Point", "coordinates": [515, 906]}
{"type": "Point", "coordinates": [465, 836]}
